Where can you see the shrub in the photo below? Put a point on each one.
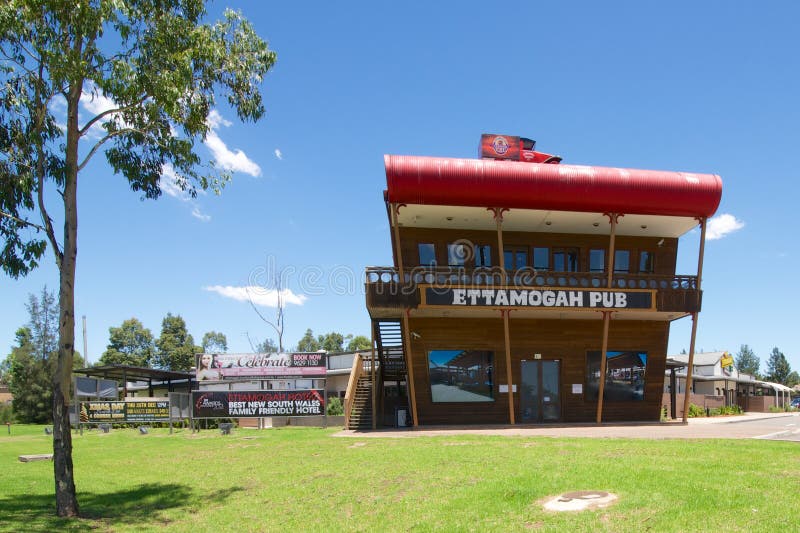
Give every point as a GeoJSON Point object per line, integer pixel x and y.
{"type": "Point", "coordinates": [335, 407]}
{"type": "Point", "coordinates": [6, 413]}
{"type": "Point", "coordinates": [695, 411]}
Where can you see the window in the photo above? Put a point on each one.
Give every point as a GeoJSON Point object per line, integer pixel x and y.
{"type": "Point", "coordinates": [427, 254]}
{"type": "Point", "coordinates": [483, 255]}
{"type": "Point", "coordinates": [516, 258]}
{"type": "Point", "coordinates": [646, 262]}
{"type": "Point", "coordinates": [456, 254]}
{"type": "Point", "coordinates": [597, 260]}
{"type": "Point", "coordinates": [565, 260]}
{"type": "Point", "coordinates": [622, 261]}
{"type": "Point", "coordinates": [625, 372]}
{"type": "Point", "coordinates": [541, 258]}
{"type": "Point", "coordinates": [461, 375]}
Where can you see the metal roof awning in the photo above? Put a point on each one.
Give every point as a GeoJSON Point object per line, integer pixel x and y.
{"type": "Point", "coordinates": [134, 373]}
{"type": "Point", "coordinates": [506, 184]}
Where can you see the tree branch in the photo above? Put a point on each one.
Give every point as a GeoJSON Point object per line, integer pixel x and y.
{"type": "Point", "coordinates": [101, 142]}
{"type": "Point", "coordinates": [40, 170]}
{"type": "Point", "coordinates": [107, 112]}
{"type": "Point", "coordinates": [21, 221]}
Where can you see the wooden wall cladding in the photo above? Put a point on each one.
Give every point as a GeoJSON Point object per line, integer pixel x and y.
{"type": "Point", "coordinates": [664, 255]}
{"type": "Point", "coordinates": [564, 340]}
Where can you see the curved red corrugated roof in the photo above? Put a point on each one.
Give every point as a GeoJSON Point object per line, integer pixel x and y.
{"type": "Point", "coordinates": [489, 183]}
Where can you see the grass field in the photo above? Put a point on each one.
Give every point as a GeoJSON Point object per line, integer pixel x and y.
{"type": "Point", "coordinates": [299, 479]}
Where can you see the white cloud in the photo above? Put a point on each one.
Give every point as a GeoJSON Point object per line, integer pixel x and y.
{"type": "Point", "coordinates": [722, 225]}
{"type": "Point", "coordinates": [196, 213]}
{"type": "Point", "coordinates": [215, 120]}
{"type": "Point", "coordinates": [229, 160]}
{"type": "Point", "coordinates": [236, 161]}
{"type": "Point", "coordinates": [258, 295]}
{"type": "Point", "coordinates": [94, 102]}
{"type": "Point", "coordinates": [278, 154]}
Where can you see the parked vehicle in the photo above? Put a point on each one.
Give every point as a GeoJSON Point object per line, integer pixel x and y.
{"type": "Point", "coordinates": [796, 402]}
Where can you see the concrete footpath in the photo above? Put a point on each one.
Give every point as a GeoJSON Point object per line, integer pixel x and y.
{"type": "Point", "coordinates": [747, 426]}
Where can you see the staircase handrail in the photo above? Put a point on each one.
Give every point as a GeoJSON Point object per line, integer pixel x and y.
{"type": "Point", "coordinates": [349, 395]}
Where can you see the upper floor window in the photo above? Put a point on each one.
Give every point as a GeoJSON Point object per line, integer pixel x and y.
{"type": "Point", "coordinates": [646, 262]}
{"type": "Point", "coordinates": [541, 258]}
{"type": "Point", "coordinates": [457, 254]}
{"type": "Point", "coordinates": [597, 260]}
{"type": "Point", "coordinates": [483, 255]}
{"type": "Point", "coordinates": [427, 254]}
{"type": "Point", "coordinates": [515, 258]}
{"type": "Point", "coordinates": [622, 261]}
{"type": "Point", "coordinates": [565, 260]}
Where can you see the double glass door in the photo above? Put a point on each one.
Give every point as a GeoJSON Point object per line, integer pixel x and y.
{"type": "Point", "coordinates": [540, 397]}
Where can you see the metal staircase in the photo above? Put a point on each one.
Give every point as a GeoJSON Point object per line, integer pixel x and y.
{"type": "Point", "coordinates": [389, 344]}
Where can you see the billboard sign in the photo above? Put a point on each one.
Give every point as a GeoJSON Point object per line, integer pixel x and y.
{"type": "Point", "coordinates": [256, 404]}
{"type": "Point", "coordinates": [121, 411]}
{"type": "Point", "coordinates": [211, 367]}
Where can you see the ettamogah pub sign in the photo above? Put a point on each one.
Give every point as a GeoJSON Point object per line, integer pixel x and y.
{"type": "Point", "coordinates": [545, 298]}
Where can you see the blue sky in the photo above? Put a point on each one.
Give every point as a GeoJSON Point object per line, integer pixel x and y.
{"type": "Point", "coordinates": [705, 87]}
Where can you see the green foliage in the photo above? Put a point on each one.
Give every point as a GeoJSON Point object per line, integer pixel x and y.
{"type": "Point", "coordinates": [335, 407]}
{"type": "Point", "coordinates": [778, 368]}
{"type": "Point", "coordinates": [308, 343]}
{"type": "Point", "coordinates": [267, 346]}
{"type": "Point", "coordinates": [332, 342]}
{"type": "Point", "coordinates": [214, 342]}
{"type": "Point", "coordinates": [746, 361]}
{"type": "Point", "coordinates": [30, 378]}
{"type": "Point", "coordinates": [176, 348]}
{"type": "Point", "coordinates": [359, 342]}
{"type": "Point", "coordinates": [130, 344]}
{"type": "Point", "coordinates": [695, 411]}
{"type": "Point", "coordinates": [725, 411]}
{"type": "Point", "coordinates": [6, 414]}
{"type": "Point", "coordinates": [793, 379]}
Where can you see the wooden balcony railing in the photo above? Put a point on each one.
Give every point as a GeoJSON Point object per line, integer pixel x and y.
{"type": "Point", "coordinates": [527, 277]}
{"type": "Point", "coordinates": [384, 287]}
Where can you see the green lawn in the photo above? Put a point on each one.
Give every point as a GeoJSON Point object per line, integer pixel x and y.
{"type": "Point", "coordinates": [293, 479]}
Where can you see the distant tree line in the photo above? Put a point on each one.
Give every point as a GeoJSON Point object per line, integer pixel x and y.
{"type": "Point", "coordinates": [778, 368]}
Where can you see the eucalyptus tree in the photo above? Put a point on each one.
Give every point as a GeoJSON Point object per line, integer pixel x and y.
{"type": "Point", "coordinates": [157, 69]}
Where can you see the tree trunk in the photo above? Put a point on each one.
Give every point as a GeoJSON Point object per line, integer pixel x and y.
{"type": "Point", "coordinates": [66, 499]}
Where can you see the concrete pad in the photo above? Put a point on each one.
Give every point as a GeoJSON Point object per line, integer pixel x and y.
{"type": "Point", "coordinates": [39, 457]}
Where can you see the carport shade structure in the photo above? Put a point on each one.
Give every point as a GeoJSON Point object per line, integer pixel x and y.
{"type": "Point", "coordinates": [124, 373]}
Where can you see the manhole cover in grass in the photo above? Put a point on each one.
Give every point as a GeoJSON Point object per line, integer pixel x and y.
{"type": "Point", "coordinates": [580, 500]}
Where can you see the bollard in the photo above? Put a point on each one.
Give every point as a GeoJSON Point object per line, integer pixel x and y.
{"type": "Point", "coordinates": [8, 424]}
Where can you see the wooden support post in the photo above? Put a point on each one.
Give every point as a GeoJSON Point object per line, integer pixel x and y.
{"type": "Point", "coordinates": [606, 317]}
{"type": "Point", "coordinates": [603, 364]}
{"type": "Point", "coordinates": [690, 365]}
{"type": "Point", "coordinates": [497, 212]}
{"type": "Point", "coordinates": [394, 210]}
{"type": "Point", "coordinates": [412, 397]}
{"type": "Point", "coordinates": [505, 313]}
{"type": "Point", "coordinates": [374, 384]}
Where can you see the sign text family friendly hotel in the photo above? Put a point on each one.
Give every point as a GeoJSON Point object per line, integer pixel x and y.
{"type": "Point", "coordinates": [539, 298]}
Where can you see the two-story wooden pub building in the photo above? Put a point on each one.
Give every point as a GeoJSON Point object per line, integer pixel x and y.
{"type": "Point", "coordinates": [516, 285]}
